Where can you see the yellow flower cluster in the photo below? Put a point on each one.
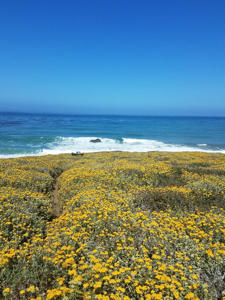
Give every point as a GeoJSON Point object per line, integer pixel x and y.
{"type": "Point", "coordinates": [133, 226]}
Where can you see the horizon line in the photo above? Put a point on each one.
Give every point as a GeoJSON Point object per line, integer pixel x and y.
{"type": "Point", "coordinates": [115, 115]}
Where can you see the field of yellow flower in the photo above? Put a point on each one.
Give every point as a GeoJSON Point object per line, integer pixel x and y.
{"type": "Point", "coordinates": [113, 226]}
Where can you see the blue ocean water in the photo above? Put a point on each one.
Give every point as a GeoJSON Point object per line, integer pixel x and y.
{"type": "Point", "coordinates": [41, 134]}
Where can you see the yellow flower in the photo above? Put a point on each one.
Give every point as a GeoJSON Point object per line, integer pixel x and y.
{"type": "Point", "coordinates": [98, 284]}
{"type": "Point", "coordinates": [60, 280]}
{"type": "Point", "coordinates": [209, 252]}
{"type": "Point", "coordinates": [31, 289]}
{"type": "Point", "coordinates": [106, 278]}
{"type": "Point", "coordinates": [189, 296]}
{"type": "Point", "coordinates": [157, 296]}
{"type": "Point", "coordinates": [120, 289]}
{"type": "Point", "coordinates": [138, 290]}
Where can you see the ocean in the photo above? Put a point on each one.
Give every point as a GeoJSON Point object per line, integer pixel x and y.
{"type": "Point", "coordinates": [41, 134]}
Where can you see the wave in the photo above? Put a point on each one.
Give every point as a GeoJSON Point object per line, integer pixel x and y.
{"type": "Point", "coordinates": [59, 145]}
{"type": "Point", "coordinates": [13, 153]}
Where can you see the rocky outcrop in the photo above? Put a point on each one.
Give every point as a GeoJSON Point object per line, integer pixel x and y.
{"type": "Point", "coordinates": [95, 141]}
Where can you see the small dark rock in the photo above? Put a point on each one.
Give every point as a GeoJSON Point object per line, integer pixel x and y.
{"type": "Point", "coordinates": [95, 141]}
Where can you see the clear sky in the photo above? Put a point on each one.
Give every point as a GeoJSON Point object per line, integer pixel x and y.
{"type": "Point", "coordinates": [135, 57]}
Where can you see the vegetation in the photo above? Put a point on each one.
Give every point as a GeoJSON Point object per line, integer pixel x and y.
{"type": "Point", "coordinates": [113, 226]}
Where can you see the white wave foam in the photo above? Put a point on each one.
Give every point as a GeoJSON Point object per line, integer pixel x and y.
{"type": "Point", "coordinates": [202, 145]}
{"type": "Point", "coordinates": [37, 153]}
{"type": "Point", "coordinates": [83, 144]}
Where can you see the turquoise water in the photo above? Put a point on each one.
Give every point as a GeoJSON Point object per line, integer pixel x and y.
{"type": "Point", "coordinates": [40, 134]}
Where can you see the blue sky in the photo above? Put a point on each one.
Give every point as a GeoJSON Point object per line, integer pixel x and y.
{"type": "Point", "coordinates": [142, 57]}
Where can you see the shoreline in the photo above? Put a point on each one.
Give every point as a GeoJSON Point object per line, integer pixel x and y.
{"type": "Point", "coordinates": [111, 151]}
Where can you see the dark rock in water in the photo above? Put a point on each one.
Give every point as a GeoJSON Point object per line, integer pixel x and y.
{"type": "Point", "coordinates": [95, 141]}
